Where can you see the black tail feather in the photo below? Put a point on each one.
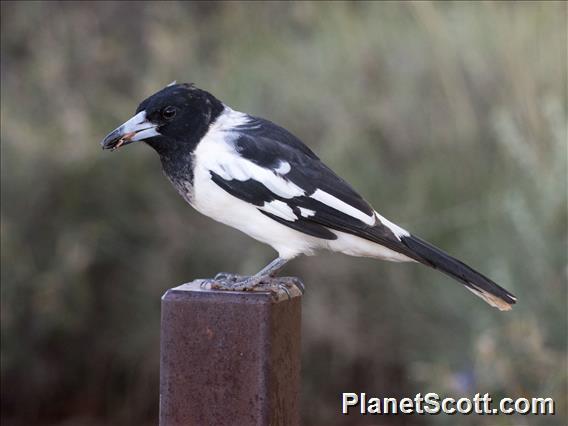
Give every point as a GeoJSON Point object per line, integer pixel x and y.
{"type": "Point", "coordinates": [477, 283]}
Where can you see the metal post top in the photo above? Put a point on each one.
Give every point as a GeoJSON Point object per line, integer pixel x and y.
{"type": "Point", "coordinates": [230, 357]}
{"type": "Point", "coordinates": [196, 289]}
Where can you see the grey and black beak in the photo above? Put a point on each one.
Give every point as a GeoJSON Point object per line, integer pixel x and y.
{"type": "Point", "coordinates": [135, 129]}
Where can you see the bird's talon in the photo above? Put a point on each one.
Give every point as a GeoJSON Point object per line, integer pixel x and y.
{"type": "Point", "coordinates": [226, 276]}
{"type": "Point", "coordinates": [231, 282]}
{"type": "Point", "coordinates": [290, 282]}
{"type": "Point", "coordinates": [285, 290]}
{"type": "Point", "coordinates": [206, 284]}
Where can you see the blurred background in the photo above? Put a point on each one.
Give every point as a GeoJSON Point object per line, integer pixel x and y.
{"type": "Point", "coordinates": [450, 118]}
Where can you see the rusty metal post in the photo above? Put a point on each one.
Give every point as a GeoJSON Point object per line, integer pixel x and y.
{"type": "Point", "coordinates": [229, 358]}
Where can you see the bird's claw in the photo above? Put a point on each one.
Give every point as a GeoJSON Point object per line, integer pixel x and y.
{"type": "Point", "coordinates": [228, 277]}
{"type": "Point", "coordinates": [233, 282]}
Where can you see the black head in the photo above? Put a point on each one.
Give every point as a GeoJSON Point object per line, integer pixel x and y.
{"type": "Point", "coordinates": [173, 119]}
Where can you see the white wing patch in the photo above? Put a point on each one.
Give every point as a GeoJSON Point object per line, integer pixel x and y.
{"type": "Point", "coordinates": [280, 209]}
{"type": "Point", "coordinates": [396, 230]}
{"type": "Point", "coordinates": [335, 203]}
{"type": "Point", "coordinates": [215, 153]}
{"type": "Point", "coordinates": [283, 168]}
{"type": "Point", "coordinates": [306, 212]}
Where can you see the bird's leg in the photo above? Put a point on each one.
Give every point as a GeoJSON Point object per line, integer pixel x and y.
{"type": "Point", "coordinates": [272, 268]}
{"type": "Point", "coordinates": [259, 281]}
{"type": "Point", "coordinates": [226, 281]}
{"type": "Point", "coordinates": [269, 270]}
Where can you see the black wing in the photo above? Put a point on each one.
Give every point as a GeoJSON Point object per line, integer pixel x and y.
{"type": "Point", "coordinates": [270, 146]}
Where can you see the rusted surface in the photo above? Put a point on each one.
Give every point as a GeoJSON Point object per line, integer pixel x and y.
{"type": "Point", "coordinates": [229, 358]}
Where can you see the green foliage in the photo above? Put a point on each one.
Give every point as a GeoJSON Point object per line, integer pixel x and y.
{"type": "Point", "coordinates": [449, 117]}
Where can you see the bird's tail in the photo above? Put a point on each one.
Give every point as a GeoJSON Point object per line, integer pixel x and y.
{"type": "Point", "coordinates": [475, 282]}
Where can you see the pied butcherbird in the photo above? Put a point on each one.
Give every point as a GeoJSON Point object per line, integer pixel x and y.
{"type": "Point", "coordinates": [256, 176]}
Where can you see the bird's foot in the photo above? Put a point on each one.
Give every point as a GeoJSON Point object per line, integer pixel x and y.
{"type": "Point", "coordinates": [295, 282]}
{"type": "Point", "coordinates": [228, 277]}
{"type": "Point", "coordinates": [233, 282]}
{"type": "Point", "coordinates": [222, 281]}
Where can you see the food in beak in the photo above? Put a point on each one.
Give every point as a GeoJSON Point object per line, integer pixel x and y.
{"type": "Point", "coordinates": [116, 139]}
{"type": "Point", "coordinates": [126, 138]}
{"type": "Point", "coordinates": [135, 129]}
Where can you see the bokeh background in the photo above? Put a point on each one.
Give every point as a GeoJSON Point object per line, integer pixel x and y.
{"type": "Point", "coordinates": [449, 117]}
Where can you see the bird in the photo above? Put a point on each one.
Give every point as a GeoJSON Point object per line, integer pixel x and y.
{"type": "Point", "coordinates": [253, 175]}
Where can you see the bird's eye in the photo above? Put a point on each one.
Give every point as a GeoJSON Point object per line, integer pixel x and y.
{"type": "Point", "coordinates": [169, 112]}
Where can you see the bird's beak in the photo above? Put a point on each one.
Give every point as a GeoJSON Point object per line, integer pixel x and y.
{"type": "Point", "coordinates": [135, 129]}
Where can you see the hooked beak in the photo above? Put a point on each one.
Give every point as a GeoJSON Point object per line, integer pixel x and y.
{"type": "Point", "coordinates": [135, 129]}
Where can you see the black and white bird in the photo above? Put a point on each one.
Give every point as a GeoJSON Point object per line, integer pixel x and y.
{"type": "Point", "coordinates": [256, 176]}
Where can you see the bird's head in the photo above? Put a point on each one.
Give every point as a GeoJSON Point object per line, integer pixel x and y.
{"type": "Point", "coordinates": [176, 116]}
